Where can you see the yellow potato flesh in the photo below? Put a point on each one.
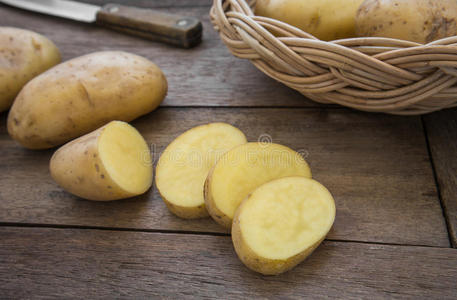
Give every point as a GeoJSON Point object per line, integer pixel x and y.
{"type": "Point", "coordinates": [246, 167]}
{"type": "Point", "coordinates": [286, 216]}
{"type": "Point", "coordinates": [126, 157]}
{"type": "Point", "coordinates": [183, 167]}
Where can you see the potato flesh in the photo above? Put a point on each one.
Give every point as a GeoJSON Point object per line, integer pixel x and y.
{"type": "Point", "coordinates": [246, 167]}
{"type": "Point", "coordinates": [126, 157]}
{"type": "Point", "coordinates": [184, 165]}
{"type": "Point", "coordinates": [286, 216]}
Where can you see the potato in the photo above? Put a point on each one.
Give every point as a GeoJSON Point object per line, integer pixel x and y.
{"type": "Point", "coordinates": [83, 94]}
{"type": "Point", "coordinates": [281, 223]}
{"type": "Point", "coordinates": [325, 19]}
{"type": "Point", "coordinates": [241, 170]}
{"type": "Point", "coordinates": [184, 165]}
{"type": "Point", "coordinates": [23, 55]}
{"type": "Point", "coordinates": [420, 21]}
{"type": "Point", "coordinates": [110, 163]}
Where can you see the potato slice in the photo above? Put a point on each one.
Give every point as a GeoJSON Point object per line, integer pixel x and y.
{"type": "Point", "coordinates": [110, 163]}
{"type": "Point", "coordinates": [281, 223]}
{"type": "Point", "coordinates": [241, 170]}
{"type": "Point", "coordinates": [184, 165]}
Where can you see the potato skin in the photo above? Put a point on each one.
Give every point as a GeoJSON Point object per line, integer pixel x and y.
{"type": "Point", "coordinates": [82, 94]}
{"type": "Point", "coordinates": [186, 212]}
{"type": "Point", "coordinates": [324, 19]}
{"type": "Point", "coordinates": [260, 264]}
{"type": "Point", "coordinates": [211, 207]}
{"type": "Point", "coordinates": [23, 55]}
{"type": "Point", "coordinates": [78, 169]}
{"type": "Point", "coordinates": [420, 21]}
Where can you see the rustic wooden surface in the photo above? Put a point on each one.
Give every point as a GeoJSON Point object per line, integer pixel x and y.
{"type": "Point", "coordinates": [113, 264]}
{"type": "Point", "coordinates": [442, 133]}
{"type": "Point", "coordinates": [393, 179]}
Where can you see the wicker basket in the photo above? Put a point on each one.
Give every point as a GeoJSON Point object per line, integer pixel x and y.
{"type": "Point", "coordinates": [370, 74]}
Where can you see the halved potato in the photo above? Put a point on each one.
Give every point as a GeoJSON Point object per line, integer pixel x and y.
{"type": "Point", "coordinates": [110, 163]}
{"type": "Point", "coordinates": [184, 165]}
{"type": "Point", "coordinates": [242, 169]}
{"type": "Point", "coordinates": [281, 223]}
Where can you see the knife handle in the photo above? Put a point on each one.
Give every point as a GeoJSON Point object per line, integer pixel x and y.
{"type": "Point", "coordinates": [180, 31]}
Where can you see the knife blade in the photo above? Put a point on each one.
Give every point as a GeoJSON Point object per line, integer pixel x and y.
{"type": "Point", "coordinates": [177, 30]}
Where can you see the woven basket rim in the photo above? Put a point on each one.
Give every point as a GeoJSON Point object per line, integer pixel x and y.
{"type": "Point", "coordinates": [366, 73]}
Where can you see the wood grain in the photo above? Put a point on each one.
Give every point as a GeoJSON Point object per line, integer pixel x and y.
{"type": "Point", "coordinates": [152, 24]}
{"type": "Point", "coordinates": [207, 75]}
{"type": "Point", "coordinates": [375, 165]}
{"type": "Point", "coordinates": [62, 263]}
{"type": "Point", "coordinates": [154, 3]}
{"type": "Point", "coordinates": [442, 134]}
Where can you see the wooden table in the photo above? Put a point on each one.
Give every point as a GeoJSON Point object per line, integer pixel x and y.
{"type": "Point", "coordinates": [394, 180]}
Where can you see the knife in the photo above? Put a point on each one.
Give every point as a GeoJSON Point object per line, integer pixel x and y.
{"type": "Point", "coordinates": [180, 31]}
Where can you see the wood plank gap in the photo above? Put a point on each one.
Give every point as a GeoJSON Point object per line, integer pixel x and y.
{"type": "Point", "coordinates": [79, 227]}
{"type": "Point", "coordinates": [384, 244]}
{"type": "Point", "coordinates": [435, 178]}
{"type": "Point", "coordinates": [317, 108]}
{"type": "Point", "coordinates": [145, 230]}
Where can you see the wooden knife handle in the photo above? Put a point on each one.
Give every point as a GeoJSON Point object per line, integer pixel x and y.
{"type": "Point", "coordinates": [180, 31]}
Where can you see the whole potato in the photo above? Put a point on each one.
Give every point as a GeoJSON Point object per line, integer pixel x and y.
{"type": "Point", "coordinates": [324, 19]}
{"type": "Point", "coordinates": [420, 21]}
{"type": "Point", "coordinates": [83, 94]}
{"type": "Point", "coordinates": [23, 55]}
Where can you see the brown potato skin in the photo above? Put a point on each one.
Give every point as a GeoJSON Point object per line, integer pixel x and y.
{"type": "Point", "coordinates": [211, 207]}
{"type": "Point", "coordinates": [82, 94]}
{"type": "Point", "coordinates": [420, 21]}
{"type": "Point", "coordinates": [24, 54]}
{"type": "Point", "coordinates": [78, 169]}
{"type": "Point", "coordinates": [260, 264]}
{"type": "Point", "coordinates": [325, 19]}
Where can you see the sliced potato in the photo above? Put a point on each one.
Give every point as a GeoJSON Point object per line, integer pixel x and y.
{"type": "Point", "coordinates": [110, 163]}
{"type": "Point", "coordinates": [184, 165]}
{"type": "Point", "coordinates": [281, 223]}
{"type": "Point", "coordinates": [242, 169]}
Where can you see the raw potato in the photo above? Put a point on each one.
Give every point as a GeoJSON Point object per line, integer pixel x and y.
{"type": "Point", "coordinates": [420, 21]}
{"type": "Point", "coordinates": [184, 165]}
{"type": "Point", "coordinates": [281, 223]}
{"type": "Point", "coordinates": [241, 170]}
{"type": "Point", "coordinates": [82, 94]}
{"type": "Point", "coordinates": [325, 19]}
{"type": "Point", "coordinates": [110, 163]}
{"type": "Point", "coordinates": [23, 55]}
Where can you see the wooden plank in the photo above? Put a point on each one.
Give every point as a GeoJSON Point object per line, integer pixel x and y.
{"type": "Point", "coordinates": [204, 75]}
{"type": "Point", "coordinates": [69, 263]}
{"type": "Point", "coordinates": [442, 134]}
{"type": "Point", "coordinates": [376, 166]}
